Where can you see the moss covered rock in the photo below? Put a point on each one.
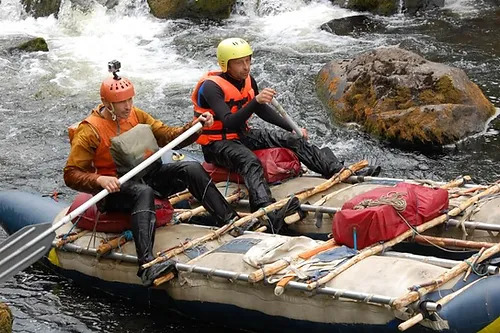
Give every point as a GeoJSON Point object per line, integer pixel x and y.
{"type": "Point", "coordinates": [209, 9]}
{"type": "Point", "coordinates": [400, 96]}
{"type": "Point", "coordinates": [32, 45]}
{"type": "Point", "coordinates": [380, 7]}
{"type": "Point", "coordinates": [6, 319]}
{"type": "Point", "coordinates": [41, 8]}
{"type": "Point", "coordinates": [389, 7]}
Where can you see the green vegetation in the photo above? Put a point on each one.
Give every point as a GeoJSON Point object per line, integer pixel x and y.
{"type": "Point", "coordinates": [382, 7]}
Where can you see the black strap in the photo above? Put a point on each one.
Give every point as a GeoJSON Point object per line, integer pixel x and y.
{"type": "Point", "coordinates": [239, 103]}
{"type": "Point", "coordinates": [221, 131]}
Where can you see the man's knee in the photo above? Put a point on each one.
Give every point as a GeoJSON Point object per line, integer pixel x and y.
{"type": "Point", "coordinates": [192, 168]}
{"type": "Point", "coordinates": [144, 192]}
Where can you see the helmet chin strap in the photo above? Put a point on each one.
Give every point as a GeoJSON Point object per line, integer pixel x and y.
{"type": "Point", "coordinates": [112, 111]}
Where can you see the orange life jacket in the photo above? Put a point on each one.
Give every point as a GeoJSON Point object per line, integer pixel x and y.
{"type": "Point", "coordinates": [107, 129]}
{"type": "Point", "coordinates": [234, 98]}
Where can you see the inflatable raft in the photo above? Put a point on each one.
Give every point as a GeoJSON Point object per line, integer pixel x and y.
{"type": "Point", "coordinates": [265, 282]}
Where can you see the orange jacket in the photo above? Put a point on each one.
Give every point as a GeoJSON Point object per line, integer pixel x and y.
{"type": "Point", "coordinates": [234, 98]}
{"type": "Point", "coordinates": [90, 157]}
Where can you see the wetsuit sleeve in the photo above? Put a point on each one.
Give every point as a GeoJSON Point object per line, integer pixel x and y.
{"type": "Point", "coordinates": [163, 133]}
{"type": "Point", "coordinates": [79, 172]}
{"type": "Point", "coordinates": [212, 96]}
{"type": "Point", "coordinates": [268, 114]}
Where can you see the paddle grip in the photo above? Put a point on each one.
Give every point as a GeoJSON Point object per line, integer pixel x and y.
{"type": "Point", "coordinates": [289, 120]}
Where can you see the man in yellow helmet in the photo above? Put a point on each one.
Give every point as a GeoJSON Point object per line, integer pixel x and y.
{"type": "Point", "coordinates": [232, 97]}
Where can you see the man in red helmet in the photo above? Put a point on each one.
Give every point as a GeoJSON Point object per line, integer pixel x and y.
{"type": "Point", "coordinates": [91, 168]}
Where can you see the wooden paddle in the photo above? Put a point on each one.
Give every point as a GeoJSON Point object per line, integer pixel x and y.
{"type": "Point", "coordinates": [29, 244]}
{"type": "Point", "coordinates": [289, 120]}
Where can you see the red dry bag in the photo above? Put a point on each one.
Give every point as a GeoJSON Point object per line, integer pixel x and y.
{"type": "Point", "coordinates": [384, 222]}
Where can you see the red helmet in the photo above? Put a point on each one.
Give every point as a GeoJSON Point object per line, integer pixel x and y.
{"type": "Point", "coordinates": [113, 90]}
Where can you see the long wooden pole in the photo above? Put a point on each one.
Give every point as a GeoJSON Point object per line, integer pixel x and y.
{"type": "Point", "coordinates": [343, 174]}
{"type": "Point", "coordinates": [280, 264]}
{"type": "Point", "coordinates": [198, 210]}
{"type": "Point", "coordinates": [421, 228]}
{"type": "Point", "coordinates": [413, 296]}
{"type": "Point", "coordinates": [178, 197]}
{"type": "Point", "coordinates": [296, 217]}
{"type": "Point", "coordinates": [444, 242]}
{"type": "Point", "coordinates": [419, 317]}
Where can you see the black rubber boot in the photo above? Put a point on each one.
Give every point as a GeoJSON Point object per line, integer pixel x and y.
{"type": "Point", "coordinates": [150, 274]}
{"type": "Point", "coordinates": [143, 229]}
{"type": "Point", "coordinates": [277, 217]}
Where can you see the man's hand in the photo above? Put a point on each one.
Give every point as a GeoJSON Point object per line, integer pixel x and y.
{"type": "Point", "coordinates": [265, 96]}
{"type": "Point", "coordinates": [206, 118]}
{"type": "Point", "coordinates": [304, 133]}
{"type": "Point", "coordinates": [109, 183]}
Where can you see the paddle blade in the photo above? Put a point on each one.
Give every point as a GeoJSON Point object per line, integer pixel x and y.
{"type": "Point", "coordinates": [16, 252]}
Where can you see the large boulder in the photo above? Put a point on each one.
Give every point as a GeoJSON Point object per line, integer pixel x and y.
{"type": "Point", "coordinates": [209, 9]}
{"type": "Point", "coordinates": [398, 95]}
{"type": "Point", "coordinates": [41, 8]}
{"type": "Point", "coordinates": [389, 7]}
{"type": "Point", "coordinates": [6, 319]}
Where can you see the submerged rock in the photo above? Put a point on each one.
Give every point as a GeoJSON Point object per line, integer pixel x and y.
{"type": "Point", "coordinates": [32, 45]}
{"type": "Point", "coordinates": [6, 319]}
{"type": "Point", "coordinates": [208, 9]}
{"type": "Point", "coordinates": [398, 95]}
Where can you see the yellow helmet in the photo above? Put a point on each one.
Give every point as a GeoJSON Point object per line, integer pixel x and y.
{"type": "Point", "coordinates": [232, 48]}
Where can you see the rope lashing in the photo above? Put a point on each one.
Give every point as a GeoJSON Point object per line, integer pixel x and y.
{"type": "Point", "coordinates": [394, 199]}
{"type": "Point", "coordinates": [127, 234]}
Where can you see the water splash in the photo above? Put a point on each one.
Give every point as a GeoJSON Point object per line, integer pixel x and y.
{"type": "Point", "coordinates": [400, 7]}
{"type": "Point", "coordinates": [11, 10]}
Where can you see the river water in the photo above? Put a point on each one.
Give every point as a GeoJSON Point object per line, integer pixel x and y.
{"type": "Point", "coordinates": [43, 93]}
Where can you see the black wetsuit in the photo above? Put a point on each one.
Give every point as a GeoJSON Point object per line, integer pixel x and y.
{"type": "Point", "coordinates": [237, 155]}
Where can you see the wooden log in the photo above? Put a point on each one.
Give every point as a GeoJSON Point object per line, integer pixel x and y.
{"type": "Point", "coordinates": [178, 197]}
{"type": "Point", "coordinates": [280, 264]}
{"type": "Point", "coordinates": [413, 296]}
{"type": "Point", "coordinates": [419, 317]}
{"type": "Point", "coordinates": [457, 182]}
{"type": "Point", "coordinates": [281, 285]}
{"type": "Point", "coordinates": [367, 252]}
{"type": "Point", "coordinates": [447, 242]}
{"type": "Point", "coordinates": [296, 217]}
{"type": "Point", "coordinates": [71, 238]}
{"type": "Point", "coordinates": [361, 179]}
{"type": "Point", "coordinates": [343, 174]}
{"type": "Point", "coordinates": [111, 245]}
{"type": "Point", "coordinates": [198, 210]}
{"type": "Point", "coordinates": [261, 229]}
